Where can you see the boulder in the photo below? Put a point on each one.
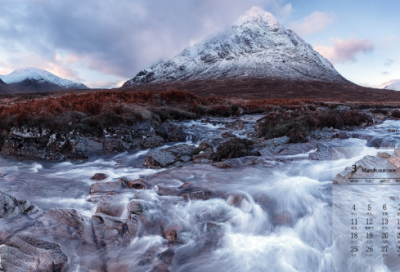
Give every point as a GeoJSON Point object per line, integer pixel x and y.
{"type": "Point", "coordinates": [105, 187]}
{"type": "Point", "coordinates": [24, 253]}
{"type": "Point", "coordinates": [64, 223]}
{"type": "Point", "coordinates": [238, 162]}
{"type": "Point", "coordinates": [397, 152]}
{"type": "Point", "coordinates": [395, 161]}
{"type": "Point", "coordinates": [236, 125]}
{"type": "Point", "coordinates": [99, 176]}
{"type": "Point", "coordinates": [11, 207]}
{"type": "Point", "coordinates": [138, 184]}
{"type": "Point", "coordinates": [110, 205]}
{"type": "Point", "coordinates": [202, 195]}
{"type": "Point", "coordinates": [162, 158]}
{"type": "Point", "coordinates": [171, 132]}
{"type": "Point", "coordinates": [136, 207]}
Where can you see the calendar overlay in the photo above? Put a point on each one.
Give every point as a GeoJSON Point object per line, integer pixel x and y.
{"type": "Point", "coordinates": [366, 217]}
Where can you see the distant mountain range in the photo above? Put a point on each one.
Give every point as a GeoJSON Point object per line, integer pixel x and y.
{"type": "Point", "coordinates": [30, 80]}
{"type": "Point", "coordinates": [394, 85]}
{"type": "Point", "coordinates": [255, 46]}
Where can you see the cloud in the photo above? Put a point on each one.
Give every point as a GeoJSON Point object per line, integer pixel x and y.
{"type": "Point", "coordinates": [383, 85]}
{"type": "Point", "coordinates": [385, 73]}
{"type": "Point", "coordinates": [315, 22]}
{"type": "Point", "coordinates": [389, 62]}
{"type": "Point", "coordinates": [116, 38]}
{"type": "Point", "coordinates": [344, 51]}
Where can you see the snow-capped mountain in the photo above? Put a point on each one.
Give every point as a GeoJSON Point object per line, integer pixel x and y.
{"type": "Point", "coordinates": [37, 80]}
{"type": "Point", "coordinates": [393, 86]}
{"type": "Point", "coordinates": [256, 45]}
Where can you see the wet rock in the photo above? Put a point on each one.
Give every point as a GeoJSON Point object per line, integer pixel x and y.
{"type": "Point", "coordinates": [158, 158]}
{"type": "Point", "coordinates": [273, 142]}
{"type": "Point", "coordinates": [323, 153]}
{"type": "Point", "coordinates": [136, 207]}
{"type": "Point", "coordinates": [104, 187]}
{"type": "Point", "coordinates": [11, 207]}
{"type": "Point", "coordinates": [236, 125]}
{"type": "Point", "coordinates": [235, 200]}
{"type": "Point", "coordinates": [115, 145]}
{"type": "Point", "coordinates": [395, 161]}
{"type": "Point", "coordinates": [171, 132]}
{"type": "Point", "coordinates": [164, 190]}
{"type": "Point", "coordinates": [171, 234]}
{"type": "Point", "coordinates": [238, 162]}
{"type": "Point", "coordinates": [343, 135]}
{"type": "Point", "coordinates": [283, 219]}
{"type": "Point", "coordinates": [167, 256]}
{"type": "Point", "coordinates": [99, 176]}
{"type": "Point", "coordinates": [384, 155]}
{"type": "Point", "coordinates": [138, 184]}
{"type": "Point", "coordinates": [201, 195]}
{"type": "Point", "coordinates": [227, 135]}
{"type": "Point", "coordinates": [165, 157]}
{"type": "Point", "coordinates": [24, 253]}
{"type": "Point", "coordinates": [185, 185]}
{"type": "Point", "coordinates": [77, 149]}
{"type": "Point", "coordinates": [397, 152]}
{"type": "Point", "coordinates": [234, 148]}
{"type": "Point", "coordinates": [150, 142]}
{"type": "Point", "coordinates": [392, 197]}
{"type": "Point", "coordinates": [113, 231]}
{"type": "Point", "coordinates": [67, 223]}
{"type": "Point", "coordinates": [110, 205]}
{"type": "Point", "coordinates": [203, 155]}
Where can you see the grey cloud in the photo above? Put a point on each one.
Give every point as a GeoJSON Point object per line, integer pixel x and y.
{"type": "Point", "coordinates": [115, 37]}
{"type": "Point", "coordinates": [385, 73]}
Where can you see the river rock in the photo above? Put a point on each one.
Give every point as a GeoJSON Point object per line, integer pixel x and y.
{"type": "Point", "coordinates": [105, 187]}
{"type": "Point", "coordinates": [343, 135]}
{"type": "Point", "coordinates": [11, 207]}
{"type": "Point", "coordinates": [110, 205]}
{"type": "Point", "coordinates": [24, 253]}
{"type": "Point", "coordinates": [238, 162]}
{"type": "Point", "coordinates": [136, 207]}
{"type": "Point", "coordinates": [395, 161]}
{"type": "Point", "coordinates": [99, 176]}
{"type": "Point", "coordinates": [138, 184]}
{"type": "Point", "coordinates": [113, 231]}
{"type": "Point", "coordinates": [165, 157]}
{"type": "Point", "coordinates": [236, 125]}
{"type": "Point", "coordinates": [201, 195]}
{"type": "Point", "coordinates": [67, 223]}
{"type": "Point", "coordinates": [171, 132]}
{"type": "Point", "coordinates": [115, 145]}
{"type": "Point", "coordinates": [323, 153]}
{"type": "Point", "coordinates": [397, 152]}
{"type": "Point", "coordinates": [385, 155]}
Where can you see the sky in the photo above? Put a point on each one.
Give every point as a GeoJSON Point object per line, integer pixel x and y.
{"type": "Point", "coordinates": [103, 43]}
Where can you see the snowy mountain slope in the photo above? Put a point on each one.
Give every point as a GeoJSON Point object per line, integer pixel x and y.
{"type": "Point", "coordinates": [39, 79]}
{"type": "Point", "coordinates": [256, 45]}
{"type": "Point", "coordinates": [394, 86]}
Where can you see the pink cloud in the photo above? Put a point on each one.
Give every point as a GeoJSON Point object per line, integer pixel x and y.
{"type": "Point", "coordinates": [316, 21]}
{"type": "Point", "coordinates": [344, 51]}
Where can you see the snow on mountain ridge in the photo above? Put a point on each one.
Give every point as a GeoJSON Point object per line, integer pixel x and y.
{"type": "Point", "coordinates": [40, 75]}
{"type": "Point", "coordinates": [256, 45]}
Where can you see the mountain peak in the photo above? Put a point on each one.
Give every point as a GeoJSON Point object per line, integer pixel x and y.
{"type": "Point", "coordinates": [257, 15]}
{"type": "Point", "coordinates": [256, 46]}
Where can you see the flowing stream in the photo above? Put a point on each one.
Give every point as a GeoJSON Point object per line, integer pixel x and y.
{"type": "Point", "coordinates": [283, 221]}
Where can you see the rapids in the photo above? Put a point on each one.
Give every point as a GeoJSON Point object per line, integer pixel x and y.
{"type": "Point", "coordinates": [283, 223]}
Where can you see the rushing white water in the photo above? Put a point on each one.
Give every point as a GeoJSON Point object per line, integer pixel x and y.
{"type": "Point", "coordinates": [282, 223]}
